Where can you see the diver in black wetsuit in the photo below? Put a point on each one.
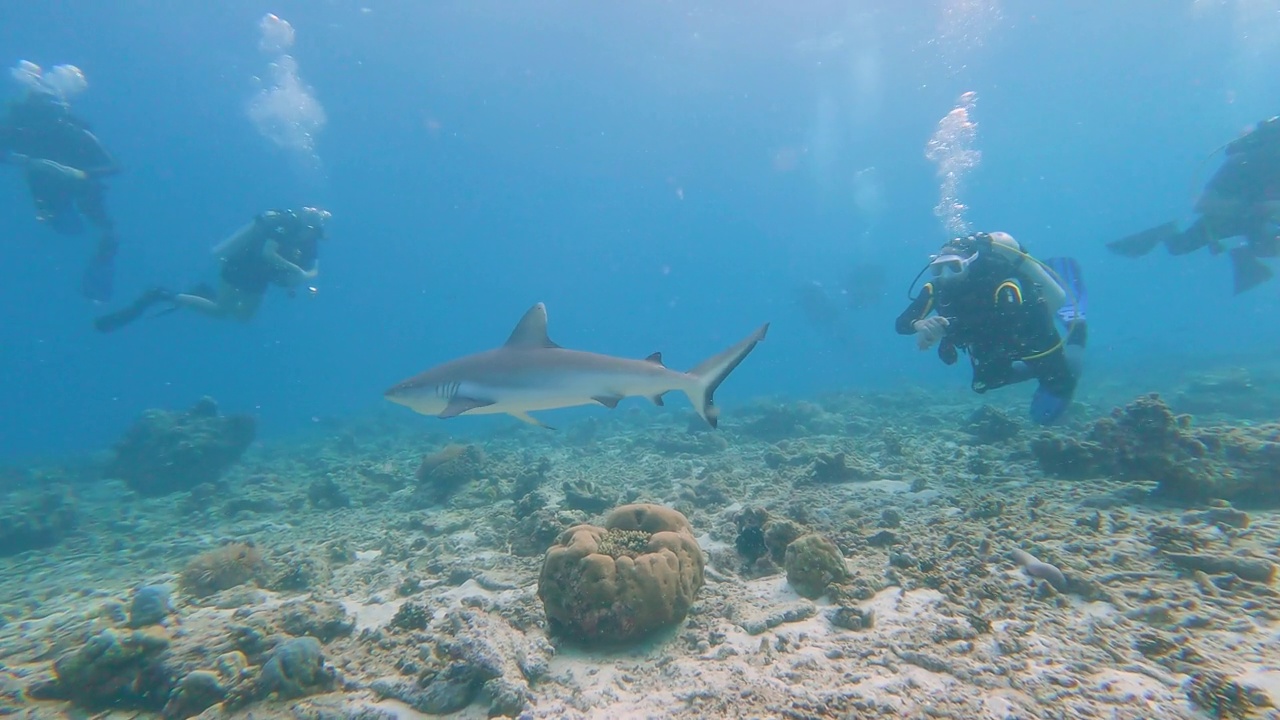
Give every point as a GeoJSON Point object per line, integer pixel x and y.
{"type": "Point", "coordinates": [64, 164]}
{"type": "Point", "coordinates": [998, 304]}
{"type": "Point", "coordinates": [1242, 199]}
{"type": "Point", "coordinates": [280, 247]}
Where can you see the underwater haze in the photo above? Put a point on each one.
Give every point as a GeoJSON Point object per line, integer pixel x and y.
{"type": "Point", "coordinates": [661, 175]}
{"type": "Point", "coordinates": [982, 289]}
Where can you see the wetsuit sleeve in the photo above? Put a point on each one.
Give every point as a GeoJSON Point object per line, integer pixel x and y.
{"type": "Point", "coordinates": [919, 309]}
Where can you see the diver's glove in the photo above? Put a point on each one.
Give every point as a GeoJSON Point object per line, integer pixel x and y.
{"type": "Point", "coordinates": [930, 330]}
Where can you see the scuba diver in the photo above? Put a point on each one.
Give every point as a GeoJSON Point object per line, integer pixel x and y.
{"type": "Point", "coordinates": [1000, 305]}
{"type": "Point", "coordinates": [279, 247]}
{"type": "Point", "coordinates": [1242, 199]}
{"type": "Point", "coordinates": [64, 164]}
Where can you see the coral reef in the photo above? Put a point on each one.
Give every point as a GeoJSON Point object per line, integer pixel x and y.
{"type": "Point", "coordinates": [473, 656]}
{"type": "Point", "coordinates": [296, 668]}
{"type": "Point", "coordinates": [327, 494]}
{"type": "Point", "coordinates": [1223, 697]}
{"type": "Point", "coordinates": [617, 583]}
{"type": "Point", "coordinates": [1229, 393]}
{"type": "Point", "coordinates": [587, 495]}
{"type": "Point", "coordinates": [167, 452]}
{"type": "Point", "coordinates": [839, 468]}
{"type": "Point", "coordinates": [988, 425]}
{"type": "Point", "coordinates": [1160, 609]}
{"type": "Point", "coordinates": [813, 562]}
{"type": "Point", "coordinates": [221, 568]}
{"type": "Point", "coordinates": [38, 522]}
{"type": "Point", "coordinates": [113, 669]}
{"type": "Point", "coordinates": [446, 471]}
{"type": "Point", "coordinates": [150, 605]}
{"type": "Point", "coordinates": [1146, 441]}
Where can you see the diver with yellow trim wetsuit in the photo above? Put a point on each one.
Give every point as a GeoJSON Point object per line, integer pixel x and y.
{"type": "Point", "coordinates": [1242, 199]}
{"type": "Point", "coordinates": [987, 297]}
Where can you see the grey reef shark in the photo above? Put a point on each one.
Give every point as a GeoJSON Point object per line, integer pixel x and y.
{"type": "Point", "coordinates": [529, 372]}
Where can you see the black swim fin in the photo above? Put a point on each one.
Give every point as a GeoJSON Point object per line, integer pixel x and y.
{"type": "Point", "coordinates": [98, 280]}
{"type": "Point", "coordinates": [1247, 271]}
{"type": "Point", "coordinates": [118, 319]}
{"type": "Point", "coordinates": [1140, 244]}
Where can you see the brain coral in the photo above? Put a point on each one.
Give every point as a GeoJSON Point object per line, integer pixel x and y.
{"type": "Point", "coordinates": [617, 583]}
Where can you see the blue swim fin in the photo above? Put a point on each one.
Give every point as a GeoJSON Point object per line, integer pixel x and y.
{"type": "Point", "coordinates": [1068, 272]}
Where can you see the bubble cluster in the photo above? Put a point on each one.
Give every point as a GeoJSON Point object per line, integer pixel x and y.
{"type": "Point", "coordinates": [285, 111]}
{"type": "Point", "coordinates": [963, 27]}
{"type": "Point", "coordinates": [952, 149]}
{"type": "Point", "coordinates": [276, 35]}
{"type": "Point", "coordinates": [64, 81]}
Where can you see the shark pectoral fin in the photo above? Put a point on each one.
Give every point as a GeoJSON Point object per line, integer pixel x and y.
{"type": "Point", "coordinates": [609, 401]}
{"type": "Point", "coordinates": [459, 405]}
{"type": "Point", "coordinates": [657, 399]}
{"type": "Point", "coordinates": [526, 417]}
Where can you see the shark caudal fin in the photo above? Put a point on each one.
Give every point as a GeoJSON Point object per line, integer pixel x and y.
{"type": "Point", "coordinates": [710, 373]}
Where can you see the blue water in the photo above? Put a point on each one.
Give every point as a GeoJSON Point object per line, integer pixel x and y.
{"type": "Point", "coordinates": [660, 174]}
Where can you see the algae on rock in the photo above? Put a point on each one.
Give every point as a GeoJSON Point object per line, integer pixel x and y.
{"type": "Point", "coordinates": [814, 562]}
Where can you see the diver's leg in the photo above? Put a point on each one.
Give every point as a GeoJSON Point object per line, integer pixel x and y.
{"type": "Point", "coordinates": [53, 198]}
{"type": "Point", "coordinates": [992, 374]}
{"type": "Point", "coordinates": [1201, 233]}
{"type": "Point", "coordinates": [228, 302]}
{"type": "Point", "coordinates": [246, 305]}
{"type": "Point", "coordinates": [99, 276]}
{"type": "Point", "coordinates": [1141, 243]}
{"type": "Point", "coordinates": [203, 299]}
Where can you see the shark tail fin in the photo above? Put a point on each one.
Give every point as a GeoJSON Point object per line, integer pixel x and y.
{"type": "Point", "coordinates": [708, 375]}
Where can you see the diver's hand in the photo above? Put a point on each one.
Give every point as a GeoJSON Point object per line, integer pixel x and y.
{"type": "Point", "coordinates": [930, 330]}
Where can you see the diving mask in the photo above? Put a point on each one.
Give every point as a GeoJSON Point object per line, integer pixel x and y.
{"type": "Point", "coordinates": [950, 266]}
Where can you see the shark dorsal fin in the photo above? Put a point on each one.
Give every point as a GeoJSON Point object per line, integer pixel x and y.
{"type": "Point", "coordinates": [655, 358]}
{"type": "Point", "coordinates": [531, 331]}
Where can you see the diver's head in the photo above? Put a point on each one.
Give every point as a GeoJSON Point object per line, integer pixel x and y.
{"type": "Point", "coordinates": [952, 262]}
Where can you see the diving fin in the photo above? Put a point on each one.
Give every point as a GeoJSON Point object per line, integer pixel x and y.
{"type": "Point", "coordinates": [98, 280]}
{"type": "Point", "coordinates": [1247, 271]}
{"type": "Point", "coordinates": [1067, 271]}
{"type": "Point", "coordinates": [118, 319]}
{"type": "Point", "coordinates": [1140, 244]}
